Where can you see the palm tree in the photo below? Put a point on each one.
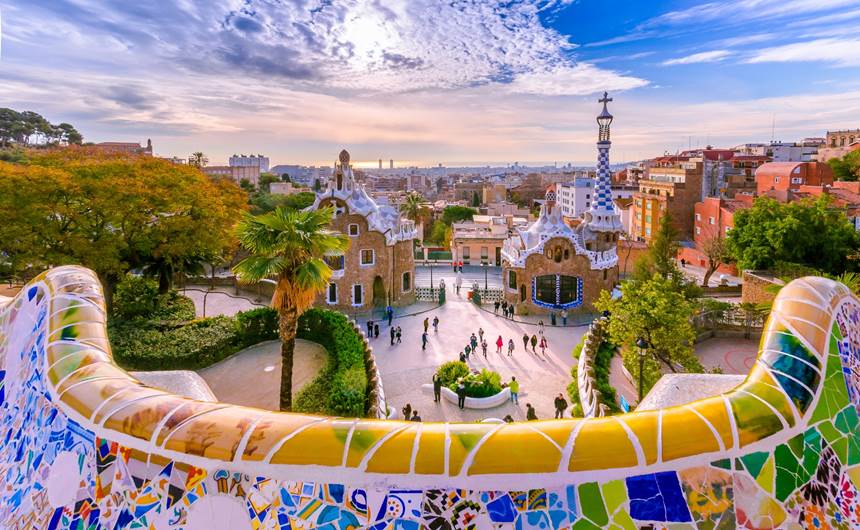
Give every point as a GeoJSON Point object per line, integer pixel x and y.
{"type": "Point", "coordinates": [198, 159]}
{"type": "Point", "coordinates": [413, 207]}
{"type": "Point", "coordinates": [289, 246]}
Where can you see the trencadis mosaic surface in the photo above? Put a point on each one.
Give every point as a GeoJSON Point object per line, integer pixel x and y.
{"type": "Point", "coordinates": [87, 446]}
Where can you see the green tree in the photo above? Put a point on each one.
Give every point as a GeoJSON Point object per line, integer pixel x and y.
{"type": "Point", "coordinates": [454, 214]}
{"type": "Point", "coordinates": [285, 177]}
{"type": "Point", "coordinates": [847, 167]}
{"type": "Point", "coordinates": [476, 199]}
{"type": "Point", "coordinates": [289, 247]}
{"type": "Point", "coordinates": [266, 179]}
{"type": "Point", "coordinates": [660, 260]}
{"type": "Point", "coordinates": [440, 233]}
{"type": "Point", "coordinates": [111, 213]}
{"type": "Point", "coordinates": [21, 127]}
{"type": "Point", "coordinates": [655, 311]}
{"type": "Point", "coordinates": [811, 233]}
{"type": "Point", "coordinates": [262, 202]}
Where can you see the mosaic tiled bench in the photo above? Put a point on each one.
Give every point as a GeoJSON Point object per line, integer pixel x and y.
{"type": "Point", "coordinates": [84, 445]}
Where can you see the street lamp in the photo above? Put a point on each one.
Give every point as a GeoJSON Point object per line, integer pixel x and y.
{"type": "Point", "coordinates": [486, 266]}
{"type": "Point", "coordinates": [642, 344]}
{"type": "Point", "coordinates": [427, 264]}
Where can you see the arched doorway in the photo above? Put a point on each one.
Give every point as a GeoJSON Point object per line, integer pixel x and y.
{"type": "Point", "coordinates": [379, 298]}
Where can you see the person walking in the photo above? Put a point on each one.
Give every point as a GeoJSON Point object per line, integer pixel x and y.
{"type": "Point", "coordinates": [389, 311]}
{"type": "Point", "coordinates": [564, 317]}
{"type": "Point", "coordinates": [560, 406]}
{"type": "Point", "coordinates": [484, 348]}
{"type": "Point", "coordinates": [461, 394]}
{"type": "Point", "coordinates": [436, 324]}
{"type": "Point", "coordinates": [496, 307]}
{"type": "Point", "coordinates": [540, 328]}
{"type": "Point", "coordinates": [437, 388]}
{"type": "Point", "coordinates": [473, 340]}
{"type": "Point", "coordinates": [458, 283]}
{"type": "Point", "coordinates": [530, 412]}
{"type": "Point", "coordinates": [510, 348]}
{"type": "Point", "coordinates": [393, 333]}
{"type": "Point", "coordinates": [370, 329]}
{"type": "Point", "coordinates": [505, 308]}
{"type": "Point", "coordinates": [426, 324]}
{"type": "Point", "coordinates": [376, 330]}
{"type": "Point", "coordinates": [462, 357]}
{"type": "Point", "coordinates": [552, 319]}
{"type": "Point", "coordinates": [424, 341]}
{"type": "Point", "coordinates": [511, 311]}
{"type": "Point", "coordinates": [481, 334]}
{"type": "Point", "coordinates": [415, 416]}
{"type": "Point", "coordinates": [499, 343]}
{"type": "Point", "coordinates": [543, 346]}
{"type": "Point", "coordinates": [399, 335]}
{"type": "Point", "coordinates": [468, 350]}
{"type": "Point", "coordinates": [407, 412]}
{"type": "Point", "coordinates": [514, 386]}
{"type": "Point", "coordinates": [525, 341]}
{"type": "Point", "coordinates": [534, 342]}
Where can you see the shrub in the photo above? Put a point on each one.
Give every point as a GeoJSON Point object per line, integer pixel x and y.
{"type": "Point", "coordinates": [449, 372]}
{"type": "Point", "coordinates": [341, 389]}
{"type": "Point", "coordinates": [135, 297]}
{"type": "Point", "coordinates": [173, 306]}
{"type": "Point", "coordinates": [257, 325]}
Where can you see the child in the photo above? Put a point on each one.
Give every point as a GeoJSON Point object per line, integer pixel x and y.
{"type": "Point", "coordinates": [511, 348]}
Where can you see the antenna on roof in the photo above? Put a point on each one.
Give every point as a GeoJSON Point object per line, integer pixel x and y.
{"type": "Point", "coordinates": [772, 127]}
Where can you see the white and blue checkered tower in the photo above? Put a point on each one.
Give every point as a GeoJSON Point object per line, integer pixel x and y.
{"type": "Point", "coordinates": [602, 215]}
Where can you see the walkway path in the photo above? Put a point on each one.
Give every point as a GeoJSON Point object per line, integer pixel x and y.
{"type": "Point", "coordinates": [405, 367]}
{"type": "Point", "coordinates": [252, 377]}
{"type": "Point", "coordinates": [219, 301]}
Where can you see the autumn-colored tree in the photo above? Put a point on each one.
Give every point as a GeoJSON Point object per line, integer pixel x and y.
{"type": "Point", "coordinates": [112, 213]}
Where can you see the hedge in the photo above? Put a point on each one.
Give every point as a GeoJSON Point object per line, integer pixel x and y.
{"type": "Point", "coordinates": [485, 383]}
{"type": "Point", "coordinates": [341, 388]}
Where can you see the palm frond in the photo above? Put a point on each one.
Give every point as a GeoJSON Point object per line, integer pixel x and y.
{"type": "Point", "coordinates": [258, 267]}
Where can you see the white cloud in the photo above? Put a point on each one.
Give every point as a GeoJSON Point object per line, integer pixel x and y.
{"type": "Point", "coordinates": [703, 57]}
{"type": "Point", "coordinates": [840, 52]}
{"type": "Point", "coordinates": [582, 79]}
{"type": "Point", "coordinates": [730, 10]}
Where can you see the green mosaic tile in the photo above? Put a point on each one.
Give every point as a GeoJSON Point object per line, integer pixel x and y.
{"type": "Point", "coordinates": [623, 520]}
{"type": "Point", "coordinates": [591, 503]}
{"type": "Point", "coordinates": [766, 476]}
{"type": "Point", "coordinates": [795, 444]}
{"type": "Point", "coordinates": [840, 447]}
{"type": "Point", "coordinates": [846, 420]}
{"type": "Point", "coordinates": [811, 451]}
{"type": "Point", "coordinates": [584, 524]}
{"type": "Point", "coordinates": [830, 433]}
{"type": "Point", "coordinates": [753, 462]}
{"type": "Point", "coordinates": [834, 393]}
{"type": "Point", "coordinates": [614, 494]}
{"type": "Point", "coordinates": [723, 464]}
{"type": "Point", "coordinates": [789, 472]}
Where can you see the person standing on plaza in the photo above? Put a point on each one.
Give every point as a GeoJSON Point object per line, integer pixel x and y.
{"type": "Point", "coordinates": [473, 340]}
{"type": "Point", "coordinates": [389, 312]}
{"type": "Point", "coordinates": [424, 341]}
{"type": "Point", "coordinates": [525, 341]}
{"type": "Point", "coordinates": [437, 388]}
{"type": "Point", "coordinates": [481, 334]}
{"type": "Point", "coordinates": [560, 406]}
{"type": "Point", "coordinates": [505, 308]}
{"type": "Point", "coordinates": [534, 342]}
{"type": "Point", "coordinates": [461, 394]}
{"type": "Point", "coordinates": [496, 307]}
{"type": "Point", "coordinates": [530, 412]}
{"type": "Point", "coordinates": [564, 317]}
{"type": "Point", "coordinates": [468, 350]}
{"type": "Point", "coordinates": [543, 346]}
{"type": "Point", "coordinates": [393, 333]}
{"type": "Point", "coordinates": [484, 348]}
{"type": "Point", "coordinates": [514, 386]}
{"type": "Point", "coordinates": [540, 328]}
{"type": "Point", "coordinates": [436, 324]}
{"type": "Point", "coordinates": [510, 348]}
{"type": "Point", "coordinates": [370, 329]}
{"type": "Point", "coordinates": [462, 357]}
{"type": "Point", "coordinates": [458, 283]}
{"type": "Point", "coordinates": [415, 416]}
{"type": "Point", "coordinates": [399, 335]}
{"type": "Point", "coordinates": [426, 324]}
{"type": "Point", "coordinates": [407, 412]}
{"type": "Point", "coordinates": [376, 330]}
{"type": "Point", "coordinates": [511, 311]}
{"type": "Point", "coordinates": [499, 343]}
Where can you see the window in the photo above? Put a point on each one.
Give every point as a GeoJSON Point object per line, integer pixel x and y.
{"type": "Point", "coordinates": [710, 220]}
{"type": "Point", "coordinates": [522, 293]}
{"type": "Point", "coordinates": [776, 179]}
{"type": "Point", "coordinates": [484, 253]}
{"type": "Point", "coordinates": [368, 256]}
{"type": "Point", "coordinates": [587, 195]}
{"type": "Point", "coordinates": [407, 282]}
{"type": "Point", "coordinates": [566, 254]}
{"type": "Point", "coordinates": [556, 291]}
{"type": "Point", "coordinates": [331, 297]}
{"type": "Point", "coordinates": [698, 231]}
{"type": "Point", "coordinates": [647, 230]}
{"type": "Point", "coordinates": [353, 229]}
{"type": "Point", "coordinates": [512, 280]}
{"type": "Point", "coordinates": [587, 204]}
{"type": "Point", "coordinates": [796, 180]}
{"type": "Point", "coordinates": [467, 254]}
{"type": "Point", "coordinates": [698, 217]}
{"type": "Point", "coordinates": [357, 294]}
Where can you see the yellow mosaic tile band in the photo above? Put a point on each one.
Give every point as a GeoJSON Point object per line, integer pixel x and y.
{"type": "Point", "coordinates": [760, 411]}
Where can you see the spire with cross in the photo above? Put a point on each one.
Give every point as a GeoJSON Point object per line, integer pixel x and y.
{"type": "Point", "coordinates": [603, 216]}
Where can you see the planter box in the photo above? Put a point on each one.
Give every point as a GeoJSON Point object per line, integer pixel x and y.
{"type": "Point", "coordinates": [475, 403]}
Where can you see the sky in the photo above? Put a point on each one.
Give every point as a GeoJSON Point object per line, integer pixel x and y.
{"type": "Point", "coordinates": [456, 82]}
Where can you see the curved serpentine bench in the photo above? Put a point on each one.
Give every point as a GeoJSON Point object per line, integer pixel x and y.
{"type": "Point", "coordinates": [86, 444]}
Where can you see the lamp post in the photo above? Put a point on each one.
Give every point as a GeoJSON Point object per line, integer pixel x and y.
{"type": "Point", "coordinates": [486, 266]}
{"type": "Point", "coordinates": [427, 264]}
{"type": "Point", "coordinates": [642, 344]}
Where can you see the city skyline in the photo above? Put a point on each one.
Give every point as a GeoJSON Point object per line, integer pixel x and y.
{"type": "Point", "coordinates": [425, 83]}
